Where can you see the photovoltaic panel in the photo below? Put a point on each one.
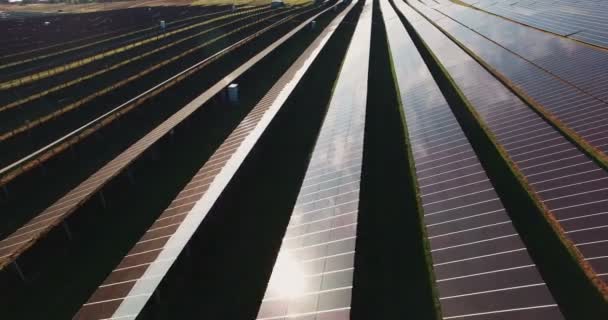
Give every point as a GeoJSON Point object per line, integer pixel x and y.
{"type": "Point", "coordinates": [577, 99]}
{"type": "Point", "coordinates": [570, 185]}
{"type": "Point", "coordinates": [586, 21]}
{"type": "Point", "coordinates": [130, 285]}
{"type": "Point", "coordinates": [482, 267]}
{"type": "Point", "coordinates": [313, 275]}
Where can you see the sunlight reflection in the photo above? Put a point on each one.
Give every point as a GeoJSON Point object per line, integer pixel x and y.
{"type": "Point", "coordinates": [288, 278]}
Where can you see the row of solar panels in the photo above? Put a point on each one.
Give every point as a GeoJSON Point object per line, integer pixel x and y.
{"type": "Point", "coordinates": [177, 222]}
{"type": "Point", "coordinates": [569, 182]}
{"type": "Point", "coordinates": [586, 21]}
{"type": "Point", "coordinates": [304, 281]}
{"type": "Point", "coordinates": [482, 265]}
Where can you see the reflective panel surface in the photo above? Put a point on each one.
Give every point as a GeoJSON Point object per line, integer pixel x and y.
{"type": "Point", "coordinates": [571, 185]}
{"type": "Point", "coordinates": [585, 20]}
{"type": "Point", "coordinates": [127, 289]}
{"type": "Point", "coordinates": [313, 275]}
{"type": "Point", "coordinates": [482, 267]}
{"type": "Point", "coordinates": [567, 79]}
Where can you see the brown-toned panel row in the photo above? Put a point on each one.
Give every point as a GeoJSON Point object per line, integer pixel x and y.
{"type": "Point", "coordinates": [572, 186]}
{"type": "Point", "coordinates": [578, 65]}
{"type": "Point", "coordinates": [482, 265]}
{"type": "Point", "coordinates": [564, 78]}
{"type": "Point", "coordinates": [581, 20]}
{"type": "Point", "coordinates": [313, 275]}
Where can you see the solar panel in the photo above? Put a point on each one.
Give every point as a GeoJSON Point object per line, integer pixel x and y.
{"type": "Point", "coordinates": [129, 286]}
{"type": "Point", "coordinates": [482, 266]}
{"type": "Point", "coordinates": [586, 21]}
{"type": "Point", "coordinates": [577, 100]}
{"type": "Point", "coordinates": [313, 275]}
{"type": "Point", "coordinates": [572, 186]}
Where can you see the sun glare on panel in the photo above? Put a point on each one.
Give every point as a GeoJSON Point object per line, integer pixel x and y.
{"type": "Point", "coordinates": [288, 278]}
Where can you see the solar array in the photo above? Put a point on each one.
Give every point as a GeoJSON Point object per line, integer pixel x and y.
{"type": "Point", "coordinates": [17, 67]}
{"type": "Point", "coordinates": [92, 100]}
{"type": "Point", "coordinates": [27, 36]}
{"type": "Point", "coordinates": [130, 285]}
{"type": "Point", "coordinates": [114, 56]}
{"type": "Point", "coordinates": [558, 56]}
{"type": "Point", "coordinates": [57, 214]}
{"type": "Point", "coordinates": [566, 79]}
{"type": "Point", "coordinates": [572, 186]}
{"type": "Point", "coordinates": [481, 265]}
{"type": "Point", "coordinates": [586, 20]}
{"type": "Point", "coordinates": [313, 275]}
{"type": "Point", "coordinates": [493, 108]}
